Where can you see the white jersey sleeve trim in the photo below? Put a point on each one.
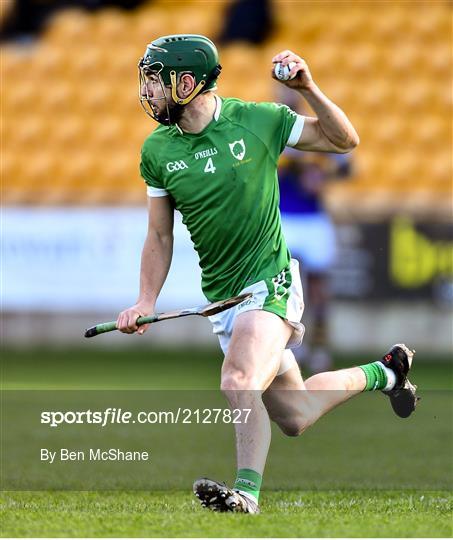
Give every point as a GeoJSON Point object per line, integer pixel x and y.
{"type": "Point", "coordinates": [296, 132]}
{"type": "Point", "coordinates": [218, 108]}
{"type": "Point", "coordinates": [156, 192]}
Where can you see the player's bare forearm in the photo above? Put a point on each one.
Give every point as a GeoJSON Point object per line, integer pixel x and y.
{"type": "Point", "coordinates": [156, 259]}
{"type": "Point", "coordinates": [333, 123]}
{"type": "Point", "coordinates": [331, 130]}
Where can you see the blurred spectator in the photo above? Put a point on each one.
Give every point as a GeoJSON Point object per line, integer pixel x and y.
{"type": "Point", "coordinates": [310, 235]}
{"type": "Point", "coordinates": [27, 18]}
{"type": "Point", "coordinates": [247, 20]}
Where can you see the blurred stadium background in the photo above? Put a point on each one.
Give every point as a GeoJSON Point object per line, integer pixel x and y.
{"type": "Point", "coordinates": [74, 205]}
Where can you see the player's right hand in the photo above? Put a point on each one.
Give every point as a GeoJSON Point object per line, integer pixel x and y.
{"type": "Point", "coordinates": [127, 319]}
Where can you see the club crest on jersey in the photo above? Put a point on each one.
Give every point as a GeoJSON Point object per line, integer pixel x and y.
{"type": "Point", "coordinates": [237, 148]}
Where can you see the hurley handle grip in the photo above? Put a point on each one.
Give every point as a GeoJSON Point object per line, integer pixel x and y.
{"type": "Point", "coordinates": [110, 326]}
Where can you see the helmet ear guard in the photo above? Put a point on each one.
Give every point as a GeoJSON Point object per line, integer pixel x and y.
{"type": "Point", "coordinates": [174, 94]}
{"type": "Point", "coordinates": [197, 90]}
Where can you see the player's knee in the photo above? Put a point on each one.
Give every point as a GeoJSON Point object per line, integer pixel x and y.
{"type": "Point", "coordinates": [295, 426]}
{"type": "Point", "coordinates": [236, 380]}
{"type": "Point", "coordinates": [297, 423]}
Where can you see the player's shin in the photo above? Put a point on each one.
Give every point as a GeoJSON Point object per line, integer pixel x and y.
{"type": "Point", "coordinates": [253, 436]}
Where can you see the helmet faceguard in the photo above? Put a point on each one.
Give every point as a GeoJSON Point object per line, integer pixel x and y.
{"type": "Point", "coordinates": [165, 60]}
{"type": "Point", "coordinates": [171, 113]}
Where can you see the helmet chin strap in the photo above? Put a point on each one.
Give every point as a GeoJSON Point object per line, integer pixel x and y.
{"type": "Point", "coordinates": [174, 95]}
{"type": "Point", "coordinates": [174, 114]}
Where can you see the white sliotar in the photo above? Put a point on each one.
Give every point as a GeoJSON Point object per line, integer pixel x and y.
{"type": "Point", "coordinates": [282, 72]}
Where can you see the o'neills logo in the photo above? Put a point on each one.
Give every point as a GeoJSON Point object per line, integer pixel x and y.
{"type": "Point", "coordinates": [246, 303]}
{"type": "Point", "coordinates": [206, 153]}
{"type": "Point", "coordinates": [247, 482]}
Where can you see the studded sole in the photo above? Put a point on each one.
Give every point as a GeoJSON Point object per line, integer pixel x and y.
{"type": "Point", "coordinates": [214, 496]}
{"type": "Point", "coordinates": [405, 401]}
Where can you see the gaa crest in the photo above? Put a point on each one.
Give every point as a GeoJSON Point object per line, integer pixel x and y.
{"type": "Point", "coordinates": [237, 148]}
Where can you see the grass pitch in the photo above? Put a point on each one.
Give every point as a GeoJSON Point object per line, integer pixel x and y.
{"type": "Point", "coordinates": [354, 512]}
{"type": "Point", "coordinates": [289, 513]}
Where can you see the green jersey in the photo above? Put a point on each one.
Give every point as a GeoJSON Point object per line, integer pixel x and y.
{"type": "Point", "coordinates": [223, 180]}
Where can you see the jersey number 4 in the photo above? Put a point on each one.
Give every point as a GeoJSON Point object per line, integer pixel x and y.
{"type": "Point", "coordinates": [209, 167]}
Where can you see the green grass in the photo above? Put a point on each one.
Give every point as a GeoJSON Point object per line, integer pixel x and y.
{"type": "Point", "coordinates": [341, 497]}
{"type": "Point", "coordinates": [142, 368]}
{"type": "Point", "coordinates": [173, 514]}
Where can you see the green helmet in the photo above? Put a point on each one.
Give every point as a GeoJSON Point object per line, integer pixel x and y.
{"type": "Point", "coordinates": [169, 56]}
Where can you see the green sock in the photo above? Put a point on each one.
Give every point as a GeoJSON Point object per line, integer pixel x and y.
{"type": "Point", "coordinates": [376, 377]}
{"type": "Point", "coordinates": [249, 481]}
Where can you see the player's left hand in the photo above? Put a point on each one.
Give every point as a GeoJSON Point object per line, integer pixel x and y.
{"type": "Point", "coordinates": [303, 78]}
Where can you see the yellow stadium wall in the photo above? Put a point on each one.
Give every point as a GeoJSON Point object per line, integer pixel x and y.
{"type": "Point", "coordinates": [72, 125]}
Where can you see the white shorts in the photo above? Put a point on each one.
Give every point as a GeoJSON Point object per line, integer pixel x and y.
{"type": "Point", "coordinates": [281, 295]}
